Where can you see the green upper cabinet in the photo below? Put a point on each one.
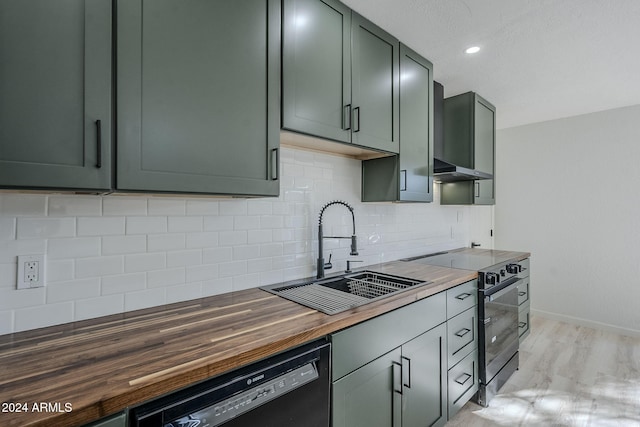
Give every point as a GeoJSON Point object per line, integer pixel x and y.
{"type": "Point", "coordinates": [55, 94]}
{"type": "Point", "coordinates": [409, 176]}
{"type": "Point", "coordinates": [469, 141]}
{"type": "Point", "coordinates": [340, 75]}
{"type": "Point", "coordinates": [198, 96]}
{"type": "Point", "coordinates": [316, 72]}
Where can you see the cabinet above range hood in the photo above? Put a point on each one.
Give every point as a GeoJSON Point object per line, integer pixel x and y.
{"type": "Point", "coordinates": [444, 171]}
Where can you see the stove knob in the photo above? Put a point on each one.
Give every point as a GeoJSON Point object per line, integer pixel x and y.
{"type": "Point", "coordinates": [491, 278]}
{"type": "Point", "coordinates": [503, 273]}
{"type": "Point", "coordinates": [514, 268]}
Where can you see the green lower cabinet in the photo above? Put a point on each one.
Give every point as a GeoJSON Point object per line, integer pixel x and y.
{"type": "Point", "coordinates": [524, 325]}
{"type": "Point", "coordinates": [366, 397]}
{"type": "Point", "coordinates": [462, 382]}
{"type": "Point", "coordinates": [424, 379]}
{"type": "Point", "coordinates": [118, 420]}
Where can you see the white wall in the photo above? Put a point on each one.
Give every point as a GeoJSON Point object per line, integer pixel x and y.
{"type": "Point", "coordinates": [569, 192]}
{"type": "Point", "coordinates": [118, 253]}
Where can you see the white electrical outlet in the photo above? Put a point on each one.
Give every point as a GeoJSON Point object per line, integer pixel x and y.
{"type": "Point", "coordinates": [31, 271]}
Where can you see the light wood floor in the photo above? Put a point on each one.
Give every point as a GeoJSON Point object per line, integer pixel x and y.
{"type": "Point", "coordinates": [569, 376]}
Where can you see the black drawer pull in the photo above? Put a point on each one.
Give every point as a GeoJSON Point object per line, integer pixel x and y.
{"type": "Point", "coordinates": [463, 297]}
{"type": "Point", "coordinates": [462, 332]}
{"type": "Point", "coordinates": [521, 294]}
{"type": "Point", "coordinates": [522, 325]}
{"type": "Point", "coordinates": [460, 381]}
{"type": "Point", "coordinates": [99, 143]}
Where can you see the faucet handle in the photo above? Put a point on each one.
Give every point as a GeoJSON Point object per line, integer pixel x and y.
{"type": "Point", "coordinates": [349, 261]}
{"type": "Point", "coordinates": [328, 265]}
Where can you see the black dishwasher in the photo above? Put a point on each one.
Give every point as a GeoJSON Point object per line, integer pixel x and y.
{"type": "Point", "coordinates": [289, 389]}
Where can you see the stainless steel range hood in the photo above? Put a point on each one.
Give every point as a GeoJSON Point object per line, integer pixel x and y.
{"type": "Point", "coordinates": [448, 172]}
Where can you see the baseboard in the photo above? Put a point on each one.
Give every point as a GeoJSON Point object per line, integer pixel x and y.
{"type": "Point", "coordinates": [588, 323]}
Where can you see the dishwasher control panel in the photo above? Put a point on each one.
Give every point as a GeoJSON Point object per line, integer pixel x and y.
{"type": "Point", "coordinates": [251, 397]}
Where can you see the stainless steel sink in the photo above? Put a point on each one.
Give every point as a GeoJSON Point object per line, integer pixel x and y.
{"type": "Point", "coordinates": [338, 294]}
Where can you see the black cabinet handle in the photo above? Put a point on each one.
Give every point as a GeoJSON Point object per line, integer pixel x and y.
{"type": "Point", "coordinates": [522, 325]}
{"type": "Point", "coordinates": [403, 180]}
{"type": "Point", "coordinates": [477, 189]}
{"type": "Point", "coordinates": [397, 378]}
{"type": "Point", "coordinates": [99, 143]}
{"type": "Point", "coordinates": [356, 112]}
{"type": "Point", "coordinates": [346, 117]}
{"type": "Point", "coordinates": [461, 381]}
{"type": "Point", "coordinates": [406, 373]}
{"type": "Point", "coordinates": [462, 332]}
{"type": "Point", "coordinates": [521, 294]}
{"type": "Point", "coordinates": [463, 297]}
{"type": "Point", "coordinates": [275, 160]}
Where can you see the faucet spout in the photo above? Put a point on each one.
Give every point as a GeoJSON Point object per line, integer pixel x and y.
{"type": "Point", "coordinates": [354, 243]}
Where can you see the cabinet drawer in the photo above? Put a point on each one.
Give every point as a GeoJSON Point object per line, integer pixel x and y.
{"type": "Point", "coordinates": [463, 382]}
{"type": "Point", "coordinates": [523, 291]}
{"type": "Point", "coordinates": [461, 335]}
{"type": "Point", "coordinates": [461, 298]}
{"type": "Point", "coordinates": [523, 322]}
{"type": "Point", "coordinates": [359, 344]}
{"type": "Point", "coordinates": [525, 268]}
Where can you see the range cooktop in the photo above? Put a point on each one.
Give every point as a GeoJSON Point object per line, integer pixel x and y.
{"type": "Point", "coordinates": [464, 259]}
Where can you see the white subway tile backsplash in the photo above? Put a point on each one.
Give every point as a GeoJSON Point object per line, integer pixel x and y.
{"type": "Point", "coordinates": [217, 255]}
{"type": "Point", "coordinates": [13, 299]}
{"type": "Point", "coordinates": [123, 283]}
{"type": "Point", "coordinates": [23, 205]}
{"type": "Point", "coordinates": [45, 315]}
{"type": "Point", "coordinates": [185, 224]}
{"type": "Point", "coordinates": [120, 245]}
{"type": "Point", "coordinates": [232, 238]}
{"type": "Point", "coordinates": [144, 262]}
{"type": "Point", "coordinates": [198, 273]}
{"type": "Point", "coordinates": [166, 242]}
{"type": "Point", "coordinates": [7, 228]}
{"type": "Point", "coordinates": [10, 249]}
{"type": "Point", "coordinates": [184, 258]}
{"type": "Point", "coordinates": [166, 206]}
{"type": "Point", "coordinates": [203, 239]}
{"type": "Point", "coordinates": [124, 206]}
{"type": "Point", "coordinates": [144, 299]}
{"type": "Point", "coordinates": [6, 322]}
{"type": "Point", "coordinates": [73, 290]}
{"type": "Point", "coordinates": [42, 228]}
{"type": "Point", "coordinates": [97, 267]}
{"type": "Point", "coordinates": [100, 226]}
{"type": "Point", "coordinates": [60, 270]}
{"type": "Point", "coordinates": [184, 292]}
{"type": "Point", "coordinates": [75, 247]}
{"type": "Point", "coordinates": [162, 278]}
{"type": "Point", "coordinates": [218, 223]}
{"type": "Point", "coordinates": [113, 253]}
{"type": "Point", "coordinates": [146, 224]}
{"type": "Point", "coordinates": [101, 306]}
{"type": "Point", "coordinates": [8, 275]}
{"type": "Point", "coordinates": [75, 206]}
{"type": "Point", "coordinates": [203, 207]}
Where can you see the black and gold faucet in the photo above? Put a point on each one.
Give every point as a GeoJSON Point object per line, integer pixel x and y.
{"type": "Point", "coordinates": [321, 266]}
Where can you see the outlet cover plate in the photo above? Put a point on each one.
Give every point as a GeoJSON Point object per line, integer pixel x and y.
{"type": "Point", "coordinates": [31, 271]}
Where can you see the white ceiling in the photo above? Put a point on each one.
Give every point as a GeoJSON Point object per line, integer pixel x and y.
{"type": "Point", "coordinates": [540, 59]}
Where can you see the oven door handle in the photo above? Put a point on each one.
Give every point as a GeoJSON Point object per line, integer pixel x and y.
{"type": "Point", "coordinates": [498, 290]}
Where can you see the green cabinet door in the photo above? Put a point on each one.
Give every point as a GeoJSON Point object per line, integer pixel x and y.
{"type": "Point", "coordinates": [409, 176]}
{"type": "Point", "coordinates": [469, 131]}
{"type": "Point", "coordinates": [374, 86]}
{"type": "Point", "coordinates": [55, 94]}
{"type": "Point", "coordinates": [316, 71]}
{"type": "Point", "coordinates": [424, 372]}
{"type": "Point", "coordinates": [370, 396]}
{"type": "Point", "coordinates": [198, 96]}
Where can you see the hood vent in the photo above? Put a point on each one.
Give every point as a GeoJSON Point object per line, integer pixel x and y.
{"type": "Point", "coordinates": [448, 172]}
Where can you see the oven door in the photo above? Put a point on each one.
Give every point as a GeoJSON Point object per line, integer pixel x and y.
{"type": "Point", "coordinates": [499, 328]}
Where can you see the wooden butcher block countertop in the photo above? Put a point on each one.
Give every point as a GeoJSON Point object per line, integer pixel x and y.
{"type": "Point", "coordinates": [101, 366]}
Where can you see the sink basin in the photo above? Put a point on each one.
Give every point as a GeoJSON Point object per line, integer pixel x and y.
{"type": "Point", "coordinates": [338, 294]}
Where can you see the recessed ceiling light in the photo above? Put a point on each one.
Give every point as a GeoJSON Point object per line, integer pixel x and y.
{"type": "Point", "coordinates": [473, 49]}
